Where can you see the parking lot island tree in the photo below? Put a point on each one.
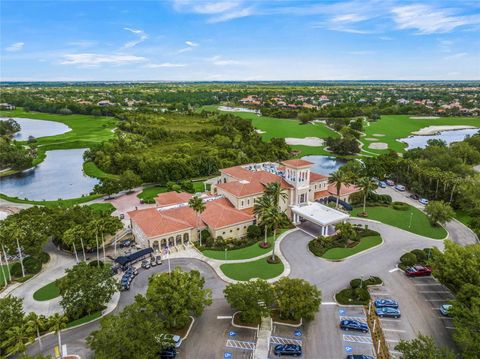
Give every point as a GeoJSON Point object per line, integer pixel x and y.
{"type": "Point", "coordinates": [423, 347]}
{"type": "Point", "coordinates": [85, 289]}
{"type": "Point", "coordinates": [127, 334]}
{"type": "Point", "coordinates": [176, 296]}
{"type": "Point", "coordinates": [296, 299]}
{"type": "Point", "coordinates": [439, 212]}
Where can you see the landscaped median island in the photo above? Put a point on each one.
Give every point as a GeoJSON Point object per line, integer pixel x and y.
{"type": "Point", "coordinates": [47, 292]}
{"type": "Point", "coordinates": [255, 269]}
{"type": "Point", "coordinates": [357, 293]}
{"type": "Point", "coordinates": [349, 240]}
{"type": "Point", "coordinates": [405, 217]}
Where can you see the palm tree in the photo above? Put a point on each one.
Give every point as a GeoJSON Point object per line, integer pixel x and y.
{"type": "Point", "coordinates": [69, 238]}
{"type": "Point", "coordinates": [274, 218]}
{"type": "Point", "coordinates": [260, 208]}
{"type": "Point", "coordinates": [38, 322]}
{"type": "Point", "coordinates": [17, 233]}
{"type": "Point", "coordinates": [339, 178]}
{"type": "Point", "coordinates": [6, 261]}
{"type": "Point", "coordinates": [57, 322]}
{"type": "Point", "coordinates": [367, 185]}
{"type": "Point", "coordinates": [196, 203]}
{"type": "Point", "coordinates": [17, 339]}
{"type": "Point", "coordinates": [78, 233]}
{"type": "Point", "coordinates": [276, 192]}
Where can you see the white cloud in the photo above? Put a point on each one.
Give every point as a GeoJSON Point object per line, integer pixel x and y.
{"type": "Point", "coordinates": [220, 61]}
{"type": "Point", "coordinates": [91, 59]}
{"type": "Point", "coordinates": [190, 46]}
{"type": "Point", "coordinates": [165, 64]}
{"type": "Point", "coordinates": [349, 18]}
{"type": "Point", "coordinates": [141, 37]}
{"type": "Point", "coordinates": [429, 20]}
{"type": "Point", "coordinates": [456, 56]}
{"type": "Point", "coordinates": [82, 43]}
{"type": "Point", "coordinates": [218, 11]}
{"type": "Point", "coordinates": [15, 47]}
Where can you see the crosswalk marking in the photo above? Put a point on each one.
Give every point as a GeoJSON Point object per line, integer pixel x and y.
{"type": "Point", "coordinates": [357, 339]}
{"type": "Point", "coordinates": [238, 344]}
{"type": "Point", "coordinates": [282, 340]}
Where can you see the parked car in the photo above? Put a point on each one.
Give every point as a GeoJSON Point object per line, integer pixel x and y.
{"type": "Point", "coordinates": [288, 349]}
{"type": "Point", "coordinates": [384, 303]}
{"type": "Point", "coordinates": [390, 183]}
{"type": "Point", "coordinates": [382, 184]}
{"type": "Point", "coordinates": [354, 325]}
{"type": "Point", "coordinates": [153, 263]}
{"type": "Point", "coordinates": [359, 356]}
{"type": "Point", "coordinates": [158, 260]}
{"type": "Point", "coordinates": [445, 309]}
{"type": "Point", "coordinates": [131, 271]}
{"type": "Point", "coordinates": [415, 197]}
{"type": "Point", "coordinates": [168, 353]}
{"type": "Point", "coordinates": [418, 271]}
{"type": "Point", "coordinates": [423, 201]}
{"type": "Point", "coordinates": [400, 188]}
{"type": "Point", "coordinates": [145, 264]}
{"type": "Point", "coordinates": [388, 312]}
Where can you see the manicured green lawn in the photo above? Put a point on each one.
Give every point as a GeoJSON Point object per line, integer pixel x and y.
{"type": "Point", "coordinates": [86, 130]}
{"type": "Point", "coordinates": [342, 253]}
{"type": "Point", "coordinates": [463, 217]}
{"type": "Point", "coordinates": [243, 253]}
{"type": "Point", "coordinates": [47, 292]}
{"type": "Point", "coordinates": [149, 193]}
{"type": "Point", "coordinates": [91, 169]}
{"type": "Point", "coordinates": [400, 126]}
{"type": "Point", "coordinates": [62, 203]}
{"type": "Point", "coordinates": [401, 219]}
{"type": "Point", "coordinates": [86, 319]}
{"type": "Point", "coordinates": [2, 278]}
{"type": "Point", "coordinates": [102, 207]}
{"type": "Point", "coordinates": [256, 269]}
{"type": "Point", "coordinates": [283, 128]}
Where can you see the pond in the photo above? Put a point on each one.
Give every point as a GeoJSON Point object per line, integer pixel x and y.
{"type": "Point", "coordinates": [37, 128]}
{"type": "Point", "coordinates": [325, 164]}
{"type": "Point", "coordinates": [237, 109]}
{"type": "Point", "coordinates": [60, 175]}
{"type": "Point", "coordinates": [447, 136]}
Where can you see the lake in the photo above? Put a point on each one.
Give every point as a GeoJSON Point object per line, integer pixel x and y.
{"type": "Point", "coordinates": [60, 175]}
{"type": "Point", "coordinates": [325, 164]}
{"type": "Point", "coordinates": [37, 128]}
{"type": "Point", "coordinates": [447, 136]}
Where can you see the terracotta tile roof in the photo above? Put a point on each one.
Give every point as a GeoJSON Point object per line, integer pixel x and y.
{"type": "Point", "coordinates": [315, 177]}
{"type": "Point", "coordinates": [321, 194]}
{"type": "Point", "coordinates": [171, 198]}
{"type": "Point", "coordinates": [218, 213]}
{"type": "Point", "coordinates": [344, 190]}
{"type": "Point", "coordinates": [248, 211]}
{"type": "Point", "coordinates": [241, 189]}
{"type": "Point", "coordinates": [297, 163]}
{"type": "Point", "coordinates": [238, 172]}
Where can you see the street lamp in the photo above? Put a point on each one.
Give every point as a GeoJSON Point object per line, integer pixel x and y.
{"type": "Point", "coordinates": [411, 216]}
{"type": "Point", "coordinates": [225, 253]}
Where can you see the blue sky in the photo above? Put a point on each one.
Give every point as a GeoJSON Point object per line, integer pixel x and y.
{"type": "Point", "coordinates": [239, 40]}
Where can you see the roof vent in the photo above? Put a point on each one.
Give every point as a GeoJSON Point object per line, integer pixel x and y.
{"type": "Point", "coordinates": [244, 182]}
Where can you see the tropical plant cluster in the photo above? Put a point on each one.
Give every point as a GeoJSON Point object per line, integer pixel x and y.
{"type": "Point", "coordinates": [347, 236]}
{"type": "Point", "coordinates": [357, 293]}
{"type": "Point", "coordinates": [171, 147]}
{"type": "Point", "coordinates": [416, 256]}
{"type": "Point", "coordinates": [291, 298]}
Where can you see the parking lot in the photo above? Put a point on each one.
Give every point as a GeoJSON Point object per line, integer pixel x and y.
{"type": "Point", "coordinates": [354, 342]}
{"type": "Point", "coordinates": [239, 343]}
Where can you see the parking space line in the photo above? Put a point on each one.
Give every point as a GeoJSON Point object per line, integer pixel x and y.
{"type": "Point", "coordinates": [360, 319]}
{"type": "Point", "coordinates": [428, 284]}
{"type": "Point", "coordinates": [435, 291]}
{"type": "Point", "coordinates": [373, 293]}
{"type": "Point", "coordinates": [238, 344]}
{"type": "Point", "coordinates": [436, 300]}
{"type": "Point", "coordinates": [394, 330]}
{"type": "Point", "coordinates": [392, 340]}
{"type": "Point", "coordinates": [389, 320]}
{"type": "Point", "coordinates": [393, 270]}
{"type": "Point", "coordinates": [282, 340]}
{"type": "Point", "coordinates": [357, 339]}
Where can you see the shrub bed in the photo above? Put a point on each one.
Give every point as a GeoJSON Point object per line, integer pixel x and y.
{"type": "Point", "coordinates": [373, 199]}
{"type": "Point", "coordinates": [416, 256]}
{"type": "Point", "coordinates": [400, 206]}
{"type": "Point", "coordinates": [358, 293]}
{"type": "Point", "coordinates": [32, 265]}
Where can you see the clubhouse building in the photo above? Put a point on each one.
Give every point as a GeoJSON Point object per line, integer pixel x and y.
{"type": "Point", "coordinates": [229, 205]}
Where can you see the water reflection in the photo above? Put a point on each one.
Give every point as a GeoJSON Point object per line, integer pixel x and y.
{"type": "Point", "coordinates": [447, 136]}
{"type": "Point", "coordinates": [325, 164]}
{"type": "Point", "coordinates": [37, 128]}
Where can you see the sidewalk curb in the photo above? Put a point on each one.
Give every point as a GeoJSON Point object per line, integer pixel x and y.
{"type": "Point", "coordinates": [241, 326]}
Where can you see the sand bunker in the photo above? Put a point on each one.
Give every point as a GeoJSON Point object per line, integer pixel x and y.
{"type": "Point", "coordinates": [307, 141]}
{"type": "Point", "coordinates": [433, 130]}
{"type": "Point", "coordinates": [424, 117]}
{"type": "Point", "coordinates": [378, 134]}
{"type": "Point", "coordinates": [371, 139]}
{"type": "Point", "coordinates": [260, 131]}
{"type": "Point", "coordinates": [378, 146]}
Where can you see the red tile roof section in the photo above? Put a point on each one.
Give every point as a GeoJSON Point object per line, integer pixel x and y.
{"type": "Point", "coordinates": [297, 163]}
{"type": "Point", "coordinates": [316, 177]}
{"type": "Point", "coordinates": [171, 198]}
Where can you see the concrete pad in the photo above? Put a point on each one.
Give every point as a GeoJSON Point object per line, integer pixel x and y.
{"type": "Point", "coordinates": [378, 134]}
{"type": "Point", "coordinates": [307, 141]}
{"type": "Point", "coordinates": [378, 146]}
{"type": "Point", "coordinates": [371, 139]}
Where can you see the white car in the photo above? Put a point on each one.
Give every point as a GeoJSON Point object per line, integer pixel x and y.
{"type": "Point", "coordinates": [400, 188]}
{"type": "Point", "coordinates": [445, 309]}
{"type": "Point", "coordinates": [423, 201]}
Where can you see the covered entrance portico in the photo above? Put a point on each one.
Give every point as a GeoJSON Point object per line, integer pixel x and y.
{"type": "Point", "coordinates": [322, 218]}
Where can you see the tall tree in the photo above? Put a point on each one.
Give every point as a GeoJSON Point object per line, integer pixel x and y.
{"type": "Point", "coordinates": [38, 323]}
{"type": "Point", "coordinates": [11, 314]}
{"type": "Point", "coordinates": [17, 339]}
{"type": "Point", "coordinates": [196, 203]}
{"type": "Point", "coordinates": [439, 212]}
{"type": "Point", "coordinates": [261, 207]}
{"type": "Point", "coordinates": [275, 219]}
{"type": "Point", "coordinates": [174, 297]}
{"type": "Point", "coordinates": [339, 178]}
{"type": "Point", "coordinates": [296, 298]}
{"type": "Point", "coordinates": [423, 347]}
{"type": "Point", "coordinates": [275, 191]}
{"type": "Point", "coordinates": [367, 185]}
{"type": "Point", "coordinates": [56, 323]}
{"type": "Point", "coordinates": [85, 289]}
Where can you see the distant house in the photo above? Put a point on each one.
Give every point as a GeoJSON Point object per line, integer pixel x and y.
{"type": "Point", "coordinates": [402, 101]}
{"type": "Point", "coordinates": [105, 103]}
{"type": "Point", "coordinates": [6, 106]}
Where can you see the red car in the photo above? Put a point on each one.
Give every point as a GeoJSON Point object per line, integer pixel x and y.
{"type": "Point", "coordinates": [418, 271]}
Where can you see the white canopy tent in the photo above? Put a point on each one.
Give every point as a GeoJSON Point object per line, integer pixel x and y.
{"type": "Point", "coordinates": [318, 214]}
